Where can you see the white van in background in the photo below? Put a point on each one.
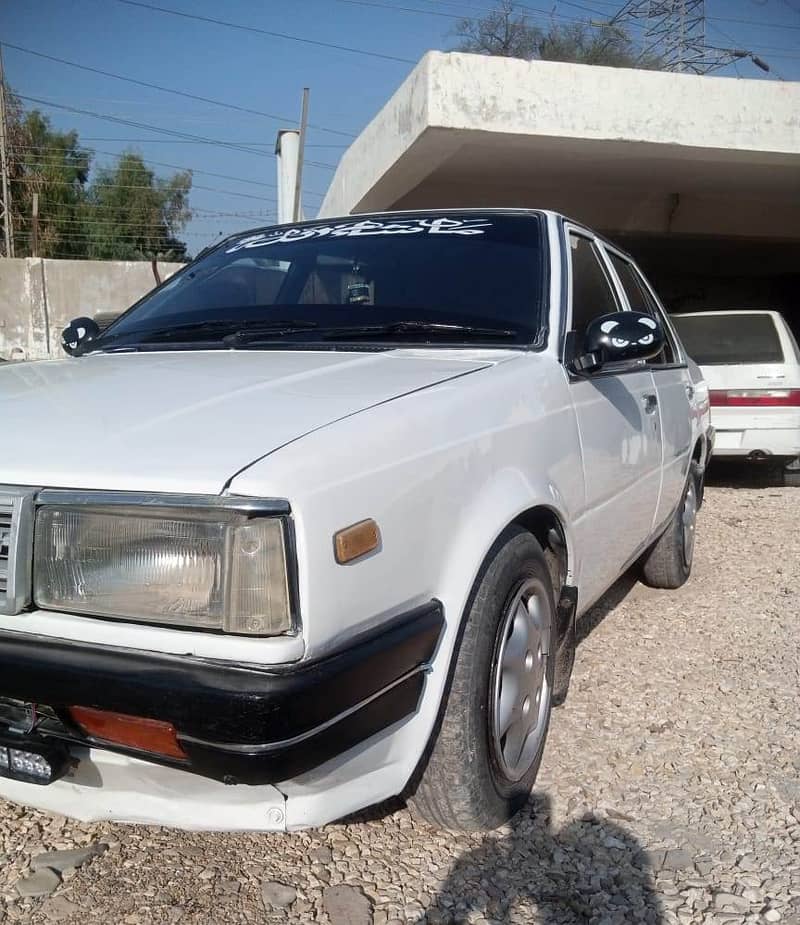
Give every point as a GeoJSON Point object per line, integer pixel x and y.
{"type": "Point", "coordinates": [751, 363]}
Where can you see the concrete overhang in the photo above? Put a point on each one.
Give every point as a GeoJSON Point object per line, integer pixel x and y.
{"type": "Point", "coordinates": [622, 150]}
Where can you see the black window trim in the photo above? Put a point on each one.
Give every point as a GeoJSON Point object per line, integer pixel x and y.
{"type": "Point", "coordinates": [569, 228]}
{"type": "Point", "coordinates": [677, 347]}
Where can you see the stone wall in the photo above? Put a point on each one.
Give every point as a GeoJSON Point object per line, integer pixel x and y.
{"type": "Point", "coordinates": [38, 298]}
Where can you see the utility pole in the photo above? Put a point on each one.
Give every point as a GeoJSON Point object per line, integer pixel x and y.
{"type": "Point", "coordinates": [298, 186]}
{"type": "Point", "coordinates": [35, 226]}
{"type": "Point", "coordinates": [5, 202]}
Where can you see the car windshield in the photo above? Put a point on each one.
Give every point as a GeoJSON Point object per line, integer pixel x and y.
{"type": "Point", "coordinates": [727, 339]}
{"type": "Point", "coordinates": [455, 278]}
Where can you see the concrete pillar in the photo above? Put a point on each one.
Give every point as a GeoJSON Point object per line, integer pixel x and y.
{"type": "Point", "coordinates": [287, 150]}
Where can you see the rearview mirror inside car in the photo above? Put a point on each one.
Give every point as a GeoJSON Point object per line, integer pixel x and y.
{"type": "Point", "coordinates": [617, 338]}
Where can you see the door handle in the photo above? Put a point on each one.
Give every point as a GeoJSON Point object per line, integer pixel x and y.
{"type": "Point", "coordinates": [689, 391]}
{"type": "Point", "coordinates": [650, 402]}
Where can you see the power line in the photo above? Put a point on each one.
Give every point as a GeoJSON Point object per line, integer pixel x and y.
{"type": "Point", "coordinates": [258, 31]}
{"type": "Point", "coordinates": [163, 131]}
{"type": "Point", "coordinates": [193, 170]}
{"type": "Point", "coordinates": [615, 4]}
{"type": "Point", "coordinates": [400, 9]}
{"type": "Point", "coordinates": [106, 222]}
{"type": "Point", "coordinates": [728, 37]}
{"type": "Point", "coordinates": [197, 212]}
{"type": "Point", "coordinates": [720, 55]}
{"type": "Point", "coordinates": [184, 189]}
{"type": "Point", "coordinates": [176, 141]}
{"type": "Point", "coordinates": [144, 125]}
{"type": "Point", "coordinates": [183, 93]}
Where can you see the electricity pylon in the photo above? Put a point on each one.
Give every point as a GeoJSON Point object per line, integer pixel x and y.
{"type": "Point", "coordinates": [675, 32]}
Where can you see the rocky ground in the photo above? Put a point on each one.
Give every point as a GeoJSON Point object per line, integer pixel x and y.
{"type": "Point", "coordinates": [670, 790]}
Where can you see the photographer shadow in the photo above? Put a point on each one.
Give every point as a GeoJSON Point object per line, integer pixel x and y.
{"type": "Point", "coordinates": [592, 870]}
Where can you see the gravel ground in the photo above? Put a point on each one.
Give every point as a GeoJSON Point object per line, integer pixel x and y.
{"type": "Point", "coordinates": [670, 790]}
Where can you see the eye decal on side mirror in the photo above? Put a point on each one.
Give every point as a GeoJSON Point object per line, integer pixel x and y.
{"type": "Point", "coordinates": [617, 338]}
{"type": "Point", "coordinates": [78, 334]}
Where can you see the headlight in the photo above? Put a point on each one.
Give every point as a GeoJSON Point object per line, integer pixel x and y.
{"type": "Point", "coordinates": [211, 570]}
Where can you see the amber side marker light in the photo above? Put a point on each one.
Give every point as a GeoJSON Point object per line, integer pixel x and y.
{"type": "Point", "coordinates": [356, 541]}
{"type": "Point", "coordinates": [149, 735]}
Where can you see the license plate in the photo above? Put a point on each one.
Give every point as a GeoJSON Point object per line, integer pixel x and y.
{"type": "Point", "coordinates": [728, 439]}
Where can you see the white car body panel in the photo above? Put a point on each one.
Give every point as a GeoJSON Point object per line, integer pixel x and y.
{"type": "Point", "coordinates": [444, 448]}
{"type": "Point", "coordinates": [139, 791]}
{"type": "Point", "coordinates": [188, 421]}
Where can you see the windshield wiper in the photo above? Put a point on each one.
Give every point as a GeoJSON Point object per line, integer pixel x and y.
{"type": "Point", "coordinates": [232, 328]}
{"type": "Point", "coordinates": [255, 332]}
{"type": "Point", "coordinates": [235, 333]}
{"type": "Point", "coordinates": [416, 327]}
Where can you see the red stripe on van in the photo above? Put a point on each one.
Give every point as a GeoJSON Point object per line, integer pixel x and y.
{"type": "Point", "coordinates": [755, 398]}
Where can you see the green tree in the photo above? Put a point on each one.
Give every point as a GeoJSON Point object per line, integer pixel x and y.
{"type": "Point", "coordinates": [130, 214]}
{"type": "Point", "coordinates": [506, 32]}
{"type": "Point", "coordinates": [124, 213]}
{"type": "Point", "coordinates": [54, 165]}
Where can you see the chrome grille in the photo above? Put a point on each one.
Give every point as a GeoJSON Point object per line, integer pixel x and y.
{"type": "Point", "coordinates": [16, 548]}
{"type": "Point", "coordinates": [5, 544]}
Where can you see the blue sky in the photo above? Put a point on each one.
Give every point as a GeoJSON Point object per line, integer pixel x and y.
{"type": "Point", "coordinates": [267, 73]}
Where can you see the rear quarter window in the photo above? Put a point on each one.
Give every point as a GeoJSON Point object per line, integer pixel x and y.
{"type": "Point", "coordinates": [729, 340]}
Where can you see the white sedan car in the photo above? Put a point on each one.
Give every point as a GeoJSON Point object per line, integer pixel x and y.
{"type": "Point", "coordinates": [311, 524]}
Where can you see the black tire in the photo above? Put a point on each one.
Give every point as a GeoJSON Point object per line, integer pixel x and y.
{"type": "Point", "coordinates": [668, 564]}
{"type": "Point", "coordinates": [462, 786]}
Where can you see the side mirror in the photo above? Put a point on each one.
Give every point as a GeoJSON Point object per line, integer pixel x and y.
{"type": "Point", "coordinates": [78, 334]}
{"type": "Point", "coordinates": [617, 338]}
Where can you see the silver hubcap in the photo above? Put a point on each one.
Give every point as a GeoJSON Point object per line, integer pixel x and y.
{"type": "Point", "coordinates": [689, 518]}
{"type": "Point", "coordinates": [521, 693]}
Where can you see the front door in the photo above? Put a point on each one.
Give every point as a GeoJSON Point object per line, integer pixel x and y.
{"type": "Point", "coordinates": [672, 384]}
{"type": "Point", "coordinates": [619, 422]}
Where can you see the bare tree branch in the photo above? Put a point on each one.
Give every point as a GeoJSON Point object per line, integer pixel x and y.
{"type": "Point", "coordinates": [508, 32]}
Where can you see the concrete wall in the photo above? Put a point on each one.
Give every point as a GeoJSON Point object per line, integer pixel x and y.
{"type": "Point", "coordinates": [470, 130]}
{"type": "Point", "coordinates": [39, 297]}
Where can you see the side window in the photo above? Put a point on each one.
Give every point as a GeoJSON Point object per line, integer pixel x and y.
{"type": "Point", "coordinates": [640, 300]}
{"type": "Point", "coordinates": [592, 293]}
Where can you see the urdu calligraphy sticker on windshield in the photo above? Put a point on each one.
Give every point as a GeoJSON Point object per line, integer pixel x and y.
{"type": "Point", "coordinates": [365, 228]}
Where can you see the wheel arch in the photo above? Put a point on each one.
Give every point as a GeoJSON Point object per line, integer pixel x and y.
{"type": "Point", "coordinates": [547, 522]}
{"type": "Point", "coordinates": [546, 525]}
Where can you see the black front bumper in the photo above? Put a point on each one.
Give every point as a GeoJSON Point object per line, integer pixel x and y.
{"type": "Point", "coordinates": [236, 723]}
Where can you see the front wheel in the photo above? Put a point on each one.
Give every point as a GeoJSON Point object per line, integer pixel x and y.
{"type": "Point", "coordinates": [486, 754]}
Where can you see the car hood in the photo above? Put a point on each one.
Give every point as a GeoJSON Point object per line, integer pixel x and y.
{"type": "Point", "coordinates": [189, 421]}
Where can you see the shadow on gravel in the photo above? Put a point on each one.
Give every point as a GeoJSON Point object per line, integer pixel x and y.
{"type": "Point", "coordinates": [743, 475]}
{"type": "Point", "coordinates": [615, 595]}
{"type": "Point", "coordinates": [592, 870]}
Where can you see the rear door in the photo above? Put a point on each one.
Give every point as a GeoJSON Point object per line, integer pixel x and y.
{"type": "Point", "coordinates": [620, 432]}
{"type": "Point", "coordinates": [673, 386]}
